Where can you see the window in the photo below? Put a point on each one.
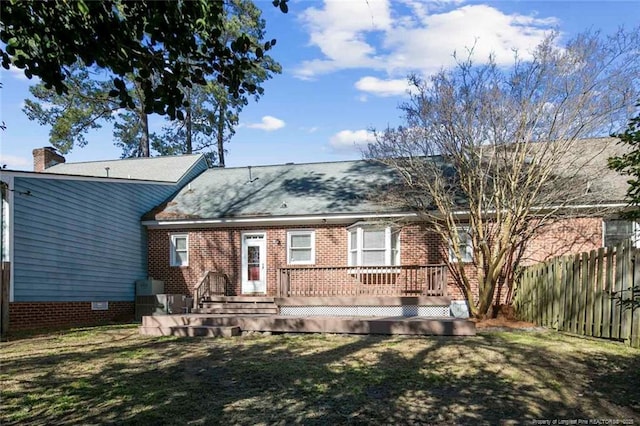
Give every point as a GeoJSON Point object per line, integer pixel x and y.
{"type": "Point", "coordinates": [179, 255]}
{"type": "Point", "coordinates": [370, 245]}
{"type": "Point", "coordinates": [465, 245]}
{"type": "Point", "coordinates": [301, 247]}
{"type": "Point", "coordinates": [618, 230]}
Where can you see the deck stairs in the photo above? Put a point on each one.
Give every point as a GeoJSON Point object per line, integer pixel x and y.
{"type": "Point", "coordinates": [237, 305]}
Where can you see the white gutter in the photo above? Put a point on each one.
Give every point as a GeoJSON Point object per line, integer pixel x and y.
{"type": "Point", "coordinates": [326, 219]}
{"type": "Point", "coordinates": [272, 220]}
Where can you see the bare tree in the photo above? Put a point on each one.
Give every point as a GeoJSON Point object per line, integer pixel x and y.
{"type": "Point", "coordinates": [490, 154]}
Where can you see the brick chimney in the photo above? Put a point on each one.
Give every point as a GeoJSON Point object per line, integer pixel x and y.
{"type": "Point", "coordinates": [43, 158]}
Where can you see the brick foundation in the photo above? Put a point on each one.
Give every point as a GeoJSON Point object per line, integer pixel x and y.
{"type": "Point", "coordinates": [36, 315]}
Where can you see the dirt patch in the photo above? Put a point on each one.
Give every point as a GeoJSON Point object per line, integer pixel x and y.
{"type": "Point", "coordinates": [503, 323]}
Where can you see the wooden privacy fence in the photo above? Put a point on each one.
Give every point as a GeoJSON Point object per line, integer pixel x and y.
{"type": "Point", "coordinates": [590, 294]}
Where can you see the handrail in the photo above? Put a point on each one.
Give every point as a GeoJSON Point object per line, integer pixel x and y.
{"type": "Point", "coordinates": [212, 283]}
{"type": "Point", "coordinates": [404, 280]}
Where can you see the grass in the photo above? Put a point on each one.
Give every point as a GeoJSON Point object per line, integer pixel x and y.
{"type": "Point", "coordinates": [112, 375]}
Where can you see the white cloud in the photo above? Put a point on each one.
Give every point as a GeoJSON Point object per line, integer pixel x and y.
{"type": "Point", "coordinates": [376, 86]}
{"type": "Point", "coordinates": [339, 30]}
{"type": "Point", "coordinates": [398, 38]}
{"type": "Point", "coordinates": [351, 140]}
{"type": "Point", "coordinates": [268, 124]}
{"type": "Point", "coordinates": [17, 72]}
{"type": "Point", "coordinates": [14, 162]}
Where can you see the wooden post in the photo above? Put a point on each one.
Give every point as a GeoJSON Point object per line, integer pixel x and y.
{"type": "Point", "coordinates": [617, 289]}
{"type": "Point", "coordinates": [607, 296]}
{"type": "Point", "coordinates": [556, 291]}
{"type": "Point", "coordinates": [627, 293]}
{"type": "Point", "coordinates": [635, 296]}
{"type": "Point", "coordinates": [599, 298]}
{"type": "Point", "coordinates": [590, 289]}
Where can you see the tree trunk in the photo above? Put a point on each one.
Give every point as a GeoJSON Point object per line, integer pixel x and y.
{"type": "Point", "coordinates": [188, 126]}
{"type": "Point", "coordinates": [144, 140]}
{"type": "Point", "coordinates": [221, 111]}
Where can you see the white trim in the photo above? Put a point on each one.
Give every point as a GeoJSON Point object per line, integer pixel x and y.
{"type": "Point", "coordinates": [59, 176]}
{"type": "Point", "coordinates": [200, 156]}
{"type": "Point", "coordinates": [331, 219]}
{"type": "Point", "coordinates": [359, 229]}
{"type": "Point", "coordinates": [310, 232]}
{"type": "Point", "coordinates": [272, 220]}
{"type": "Point", "coordinates": [8, 179]}
{"type": "Point", "coordinates": [173, 260]}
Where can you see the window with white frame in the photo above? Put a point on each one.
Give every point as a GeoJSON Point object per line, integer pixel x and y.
{"type": "Point", "coordinates": [301, 247]}
{"type": "Point", "coordinates": [371, 245]}
{"type": "Point", "coordinates": [465, 245]}
{"type": "Point", "coordinates": [179, 254]}
{"type": "Point", "coordinates": [616, 231]}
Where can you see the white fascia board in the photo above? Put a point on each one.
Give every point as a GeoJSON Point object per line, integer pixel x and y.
{"type": "Point", "coordinates": [57, 176]}
{"type": "Point", "coordinates": [8, 179]}
{"type": "Point", "coordinates": [193, 165]}
{"type": "Point", "coordinates": [464, 213]}
{"type": "Point", "coordinates": [336, 219]}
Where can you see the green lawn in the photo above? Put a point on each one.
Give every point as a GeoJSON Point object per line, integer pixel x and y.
{"type": "Point", "coordinates": [112, 375]}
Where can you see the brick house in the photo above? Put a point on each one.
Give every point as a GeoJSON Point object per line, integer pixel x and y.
{"type": "Point", "coordinates": [311, 233]}
{"type": "Point", "coordinates": [78, 235]}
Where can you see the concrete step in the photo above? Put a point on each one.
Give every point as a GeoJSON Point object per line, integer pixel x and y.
{"type": "Point", "coordinates": [241, 299]}
{"type": "Point", "coordinates": [238, 305]}
{"type": "Point", "coordinates": [230, 309]}
{"type": "Point", "coordinates": [192, 331]}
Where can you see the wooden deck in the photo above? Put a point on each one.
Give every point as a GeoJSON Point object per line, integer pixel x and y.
{"type": "Point", "coordinates": [227, 325]}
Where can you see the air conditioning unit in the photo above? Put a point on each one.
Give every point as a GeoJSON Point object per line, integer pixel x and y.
{"type": "Point", "coordinates": [149, 287]}
{"type": "Point", "coordinates": [162, 304]}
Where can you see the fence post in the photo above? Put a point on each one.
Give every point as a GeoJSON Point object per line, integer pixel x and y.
{"type": "Point", "coordinates": [598, 298]}
{"type": "Point", "coordinates": [627, 293]}
{"type": "Point", "coordinates": [635, 294]}
{"type": "Point", "coordinates": [557, 293]}
{"type": "Point", "coordinates": [590, 289]}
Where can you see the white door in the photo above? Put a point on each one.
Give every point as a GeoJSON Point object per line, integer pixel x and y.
{"type": "Point", "coordinates": [254, 263]}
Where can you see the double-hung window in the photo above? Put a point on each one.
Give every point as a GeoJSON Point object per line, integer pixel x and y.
{"type": "Point", "coordinates": [618, 230]}
{"type": "Point", "coordinates": [465, 245]}
{"type": "Point", "coordinates": [301, 247]}
{"type": "Point", "coordinates": [179, 250]}
{"type": "Point", "coordinates": [371, 245]}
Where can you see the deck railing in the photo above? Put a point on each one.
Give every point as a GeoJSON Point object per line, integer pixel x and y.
{"type": "Point", "coordinates": [405, 280]}
{"type": "Point", "coordinates": [211, 284]}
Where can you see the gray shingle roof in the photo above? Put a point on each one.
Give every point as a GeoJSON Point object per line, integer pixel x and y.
{"type": "Point", "coordinates": [164, 169]}
{"type": "Point", "coordinates": [343, 187]}
{"type": "Point", "coordinates": [290, 189]}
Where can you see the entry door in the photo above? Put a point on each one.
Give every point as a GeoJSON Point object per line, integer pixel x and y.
{"type": "Point", "coordinates": [254, 263]}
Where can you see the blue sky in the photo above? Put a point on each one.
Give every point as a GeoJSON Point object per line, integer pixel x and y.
{"type": "Point", "coordinates": [344, 64]}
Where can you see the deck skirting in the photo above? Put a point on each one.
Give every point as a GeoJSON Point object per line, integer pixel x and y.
{"type": "Point", "coordinates": [366, 311]}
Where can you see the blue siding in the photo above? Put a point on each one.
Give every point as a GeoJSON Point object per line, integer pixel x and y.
{"type": "Point", "coordinates": [80, 240]}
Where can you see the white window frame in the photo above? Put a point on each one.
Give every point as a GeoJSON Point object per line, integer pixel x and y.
{"type": "Point", "coordinates": [635, 232]}
{"type": "Point", "coordinates": [173, 258]}
{"type": "Point", "coordinates": [290, 247]}
{"type": "Point", "coordinates": [466, 251]}
{"type": "Point", "coordinates": [389, 233]}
